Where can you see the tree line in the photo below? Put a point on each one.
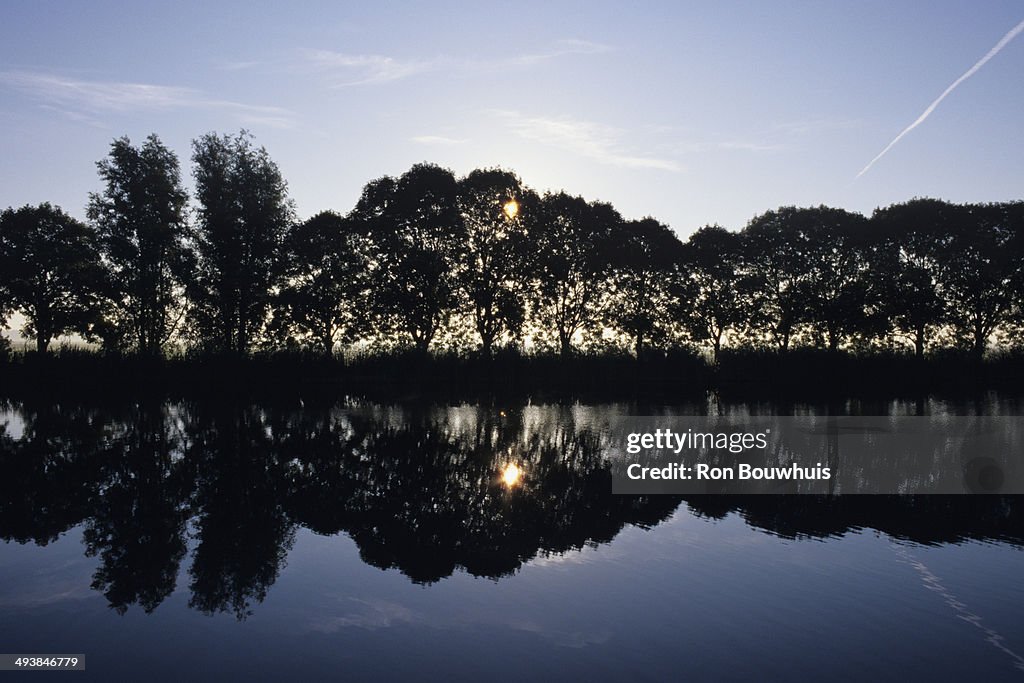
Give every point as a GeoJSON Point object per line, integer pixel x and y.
{"type": "Point", "coordinates": [430, 261]}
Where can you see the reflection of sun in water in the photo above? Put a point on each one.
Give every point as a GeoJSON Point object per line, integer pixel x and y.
{"type": "Point", "coordinates": [511, 208]}
{"type": "Point", "coordinates": [511, 474]}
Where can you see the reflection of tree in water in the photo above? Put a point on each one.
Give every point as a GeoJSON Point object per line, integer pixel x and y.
{"type": "Point", "coordinates": [47, 481]}
{"type": "Point", "coordinates": [928, 520]}
{"type": "Point", "coordinates": [425, 495]}
{"type": "Point", "coordinates": [419, 490]}
{"type": "Point", "coordinates": [138, 520]}
{"type": "Point", "coordinates": [243, 531]}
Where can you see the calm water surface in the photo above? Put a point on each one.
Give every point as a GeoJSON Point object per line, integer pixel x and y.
{"type": "Point", "coordinates": [362, 541]}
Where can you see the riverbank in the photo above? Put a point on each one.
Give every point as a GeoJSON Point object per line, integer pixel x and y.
{"type": "Point", "coordinates": [680, 374]}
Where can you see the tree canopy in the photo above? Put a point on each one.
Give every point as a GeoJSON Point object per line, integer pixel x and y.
{"type": "Point", "coordinates": [243, 218]}
{"type": "Point", "coordinates": [51, 272]}
{"type": "Point", "coordinates": [433, 261]}
{"type": "Point", "coordinates": [143, 233]}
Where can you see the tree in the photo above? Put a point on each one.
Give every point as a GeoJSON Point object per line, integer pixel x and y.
{"type": "Point", "coordinates": [141, 222]}
{"type": "Point", "coordinates": [777, 283]}
{"type": "Point", "coordinates": [243, 218]}
{"type": "Point", "coordinates": [325, 290]}
{"type": "Point", "coordinates": [837, 287]}
{"type": "Point", "coordinates": [6, 308]}
{"type": "Point", "coordinates": [415, 236]}
{"type": "Point", "coordinates": [646, 259]}
{"type": "Point", "coordinates": [572, 243]}
{"type": "Point", "coordinates": [979, 267]}
{"type": "Point", "coordinates": [1014, 216]}
{"type": "Point", "coordinates": [711, 282]}
{"type": "Point", "coordinates": [495, 271]}
{"type": "Point", "coordinates": [905, 268]}
{"type": "Point", "coordinates": [50, 270]}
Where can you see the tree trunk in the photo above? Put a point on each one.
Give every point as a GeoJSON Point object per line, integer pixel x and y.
{"type": "Point", "coordinates": [422, 343]}
{"type": "Point", "coordinates": [327, 342]}
{"type": "Point", "coordinates": [979, 343]}
{"type": "Point", "coordinates": [784, 341]}
{"type": "Point", "coordinates": [717, 347]}
{"type": "Point", "coordinates": [42, 342]}
{"type": "Point", "coordinates": [566, 345]}
{"type": "Point", "coordinates": [919, 343]}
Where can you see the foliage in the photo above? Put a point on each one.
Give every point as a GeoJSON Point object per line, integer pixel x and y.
{"type": "Point", "coordinates": [51, 272]}
{"type": "Point", "coordinates": [494, 274]}
{"type": "Point", "coordinates": [646, 258]}
{"type": "Point", "coordinates": [324, 296]}
{"type": "Point", "coordinates": [243, 218]}
{"type": "Point", "coordinates": [427, 261]}
{"type": "Point", "coordinates": [414, 241]}
{"type": "Point", "coordinates": [572, 245]}
{"type": "Point", "coordinates": [906, 268]}
{"type": "Point", "coordinates": [711, 285]}
{"type": "Point", "coordinates": [140, 218]}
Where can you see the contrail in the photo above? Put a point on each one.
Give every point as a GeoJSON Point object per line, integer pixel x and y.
{"type": "Point", "coordinates": [931, 107]}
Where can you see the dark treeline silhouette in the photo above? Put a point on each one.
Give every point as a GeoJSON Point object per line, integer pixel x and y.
{"type": "Point", "coordinates": [225, 487]}
{"type": "Point", "coordinates": [431, 262]}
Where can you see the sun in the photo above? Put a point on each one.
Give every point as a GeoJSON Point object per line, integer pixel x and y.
{"type": "Point", "coordinates": [511, 208]}
{"type": "Point", "coordinates": [511, 475]}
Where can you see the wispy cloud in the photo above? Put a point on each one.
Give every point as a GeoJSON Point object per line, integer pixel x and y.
{"type": "Point", "coordinates": [561, 48]}
{"type": "Point", "coordinates": [598, 142]}
{"type": "Point", "coordinates": [680, 141]}
{"type": "Point", "coordinates": [84, 97]}
{"type": "Point", "coordinates": [369, 615]}
{"type": "Point", "coordinates": [1003, 42]}
{"type": "Point", "coordinates": [76, 116]}
{"type": "Point", "coordinates": [362, 69]}
{"type": "Point", "coordinates": [437, 140]}
{"type": "Point", "coordinates": [346, 69]}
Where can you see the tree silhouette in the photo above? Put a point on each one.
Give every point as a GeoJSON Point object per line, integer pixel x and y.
{"type": "Point", "coordinates": [978, 270]}
{"type": "Point", "coordinates": [905, 268]}
{"type": "Point", "coordinates": [494, 273]}
{"type": "Point", "coordinates": [415, 237]}
{"type": "Point", "coordinates": [1014, 216]}
{"type": "Point", "coordinates": [51, 271]}
{"type": "Point", "coordinates": [323, 298]}
{"type": "Point", "coordinates": [572, 246]}
{"type": "Point", "coordinates": [778, 259]}
{"type": "Point", "coordinates": [243, 217]}
{"type": "Point", "coordinates": [143, 233]}
{"type": "Point", "coordinates": [6, 308]}
{"type": "Point", "coordinates": [711, 282]}
{"type": "Point", "coordinates": [646, 256]}
{"type": "Point", "coordinates": [433, 262]}
{"type": "Point", "coordinates": [837, 286]}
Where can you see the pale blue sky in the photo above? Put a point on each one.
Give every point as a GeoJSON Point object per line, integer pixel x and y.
{"type": "Point", "coordinates": [692, 113]}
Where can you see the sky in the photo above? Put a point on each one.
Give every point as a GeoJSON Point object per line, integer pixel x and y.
{"type": "Point", "coordinates": [694, 113]}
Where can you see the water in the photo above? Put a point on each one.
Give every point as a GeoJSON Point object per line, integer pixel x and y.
{"type": "Point", "coordinates": [361, 541]}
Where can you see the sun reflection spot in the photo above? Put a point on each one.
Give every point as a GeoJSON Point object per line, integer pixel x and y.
{"type": "Point", "coordinates": [511, 474]}
{"type": "Point", "coordinates": [511, 208]}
